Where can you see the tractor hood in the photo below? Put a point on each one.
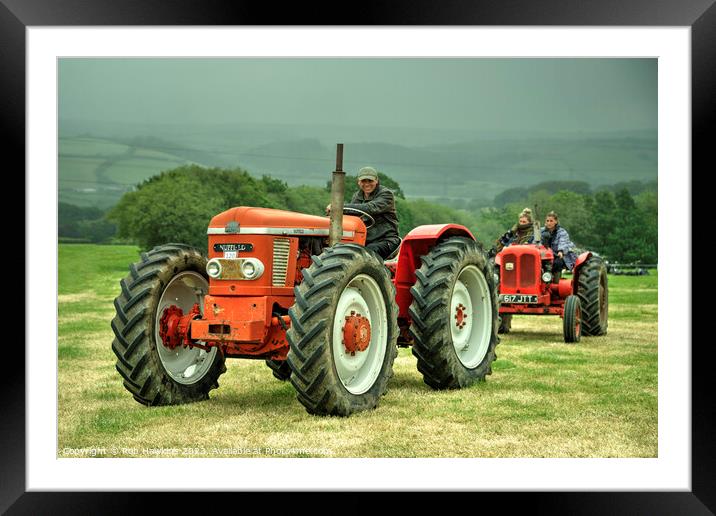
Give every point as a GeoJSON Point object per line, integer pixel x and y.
{"type": "Point", "coordinates": [246, 220]}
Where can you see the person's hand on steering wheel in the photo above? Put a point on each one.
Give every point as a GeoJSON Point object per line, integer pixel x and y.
{"type": "Point", "coordinates": [367, 219]}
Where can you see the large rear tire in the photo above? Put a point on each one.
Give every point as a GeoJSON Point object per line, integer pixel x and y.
{"type": "Point", "coordinates": [168, 275]}
{"type": "Point", "coordinates": [455, 314]}
{"type": "Point", "coordinates": [593, 293]}
{"type": "Point", "coordinates": [345, 284]}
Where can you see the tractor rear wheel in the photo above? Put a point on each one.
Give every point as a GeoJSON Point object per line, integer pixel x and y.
{"type": "Point", "coordinates": [281, 369]}
{"type": "Point", "coordinates": [169, 279]}
{"type": "Point", "coordinates": [455, 314]}
{"type": "Point", "coordinates": [572, 319]}
{"type": "Point", "coordinates": [505, 323]}
{"type": "Point", "coordinates": [344, 330]}
{"type": "Point", "coordinates": [593, 292]}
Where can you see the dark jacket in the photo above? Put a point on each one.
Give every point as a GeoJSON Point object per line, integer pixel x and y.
{"type": "Point", "coordinates": [518, 235]}
{"type": "Point", "coordinates": [381, 206]}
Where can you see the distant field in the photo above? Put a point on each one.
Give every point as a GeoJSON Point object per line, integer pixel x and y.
{"type": "Point", "coordinates": [90, 147]}
{"type": "Point", "coordinates": [97, 172]}
{"type": "Point", "coordinates": [544, 399]}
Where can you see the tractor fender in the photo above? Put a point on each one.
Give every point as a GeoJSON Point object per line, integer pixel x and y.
{"type": "Point", "coordinates": [578, 267]}
{"type": "Point", "coordinates": [420, 240]}
{"type": "Point", "coordinates": [415, 244]}
{"type": "Point", "coordinates": [438, 232]}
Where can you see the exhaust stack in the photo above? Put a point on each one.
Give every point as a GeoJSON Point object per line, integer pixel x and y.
{"type": "Point", "coordinates": [338, 188]}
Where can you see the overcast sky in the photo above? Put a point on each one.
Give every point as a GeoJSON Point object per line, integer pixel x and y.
{"type": "Point", "coordinates": [550, 95]}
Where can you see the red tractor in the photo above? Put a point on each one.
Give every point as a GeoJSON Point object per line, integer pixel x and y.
{"type": "Point", "coordinates": [329, 318]}
{"type": "Point", "coordinates": [527, 287]}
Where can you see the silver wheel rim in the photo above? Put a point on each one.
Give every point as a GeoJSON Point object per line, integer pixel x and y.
{"type": "Point", "coordinates": [471, 317]}
{"type": "Point", "coordinates": [185, 365]}
{"type": "Point", "coordinates": [359, 371]}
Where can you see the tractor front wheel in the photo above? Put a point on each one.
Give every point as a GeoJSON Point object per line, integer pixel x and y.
{"type": "Point", "coordinates": [572, 319]}
{"type": "Point", "coordinates": [280, 368]}
{"type": "Point", "coordinates": [167, 283]}
{"type": "Point", "coordinates": [454, 314]}
{"type": "Point", "coordinates": [344, 330]}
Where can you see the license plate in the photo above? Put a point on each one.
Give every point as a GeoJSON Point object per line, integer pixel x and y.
{"type": "Point", "coordinates": [518, 298]}
{"type": "Point", "coordinates": [233, 248]}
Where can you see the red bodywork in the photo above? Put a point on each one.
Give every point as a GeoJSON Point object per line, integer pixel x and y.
{"type": "Point", "coordinates": [521, 269]}
{"type": "Point", "coordinates": [247, 318]}
{"type": "Point", "coordinates": [418, 243]}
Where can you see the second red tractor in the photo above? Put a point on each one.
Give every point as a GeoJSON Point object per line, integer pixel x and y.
{"type": "Point", "coordinates": [527, 287]}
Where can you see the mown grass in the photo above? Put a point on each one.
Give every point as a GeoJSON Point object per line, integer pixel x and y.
{"type": "Point", "coordinates": [544, 399]}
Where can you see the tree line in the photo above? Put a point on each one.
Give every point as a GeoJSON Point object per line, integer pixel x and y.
{"type": "Point", "coordinates": [616, 224]}
{"type": "Point", "coordinates": [177, 206]}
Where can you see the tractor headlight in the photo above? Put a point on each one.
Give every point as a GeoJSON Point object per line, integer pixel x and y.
{"type": "Point", "coordinates": [235, 268]}
{"type": "Point", "coordinates": [547, 277]}
{"type": "Point", "coordinates": [252, 268]}
{"type": "Point", "coordinates": [249, 269]}
{"type": "Point", "coordinates": [213, 268]}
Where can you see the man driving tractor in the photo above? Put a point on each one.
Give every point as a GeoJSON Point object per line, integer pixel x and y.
{"type": "Point", "coordinates": [378, 202]}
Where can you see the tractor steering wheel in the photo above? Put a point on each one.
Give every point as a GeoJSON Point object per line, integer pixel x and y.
{"type": "Point", "coordinates": [367, 219]}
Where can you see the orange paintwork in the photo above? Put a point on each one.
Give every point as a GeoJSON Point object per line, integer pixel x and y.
{"type": "Point", "coordinates": [248, 217]}
{"type": "Point", "coordinates": [240, 312]}
{"type": "Point", "coordinates": [249, 321]}
{"type": "Point", "coordinates": [263, 250]}
{"type": "Point", "coordinates": [260, 219]}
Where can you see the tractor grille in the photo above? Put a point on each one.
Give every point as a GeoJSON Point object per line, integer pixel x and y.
{"type": "Point", "coordinates": [281, 248]}
{"type": "Point", "coordinates": [527, 270]}
{"type": "Point", "coordinates": [509, 277]}
{"type": "Point", "coordinates": [523, 273]}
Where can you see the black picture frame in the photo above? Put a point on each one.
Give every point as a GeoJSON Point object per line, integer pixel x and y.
{"type": "Point", "coordinates": [700, 15]}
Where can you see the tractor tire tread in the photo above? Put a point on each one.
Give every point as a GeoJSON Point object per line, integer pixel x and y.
{"type": "Point", "coordinates": [310, 356]}
{"type": "Point", "coordinates": [432, 347]}
{"type": "Point", "coordinates": [571, 307]}
{"type": "Point", "coordinates": [280, 369]}
{"type": "Point", "coordinates": [133, 327]}
{"type": "Point", "coordinates": [590, 276]}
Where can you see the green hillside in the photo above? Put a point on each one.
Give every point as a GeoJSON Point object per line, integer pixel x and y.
{"type": "Point", "coordinates": [97, 171]}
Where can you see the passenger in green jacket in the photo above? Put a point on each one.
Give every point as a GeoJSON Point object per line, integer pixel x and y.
{"type": "Point", "coordinates": [378, 202]}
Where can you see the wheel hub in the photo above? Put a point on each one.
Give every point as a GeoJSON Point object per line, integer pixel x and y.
{"type": "Point", "coordinates": [356, 333]}
{"type": "Point", "coordinates": [470, 316]}
{"type": "Point", "coordinates": [460, 316]}
{"type": "Point", "coordinates": [174, 326]}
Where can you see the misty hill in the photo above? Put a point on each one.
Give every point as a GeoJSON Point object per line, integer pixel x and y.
{"type": "Point", "coordinates": [97, 170]}
{"type": "Point", "coordinates": [468, 170]}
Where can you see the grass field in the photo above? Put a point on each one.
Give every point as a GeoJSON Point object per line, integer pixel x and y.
{"type": "Point", "coordinates": [544, 399]}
